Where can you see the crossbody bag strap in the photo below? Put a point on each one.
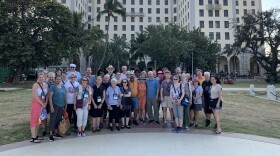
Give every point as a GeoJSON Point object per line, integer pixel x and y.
{"type": "Point", "coordinates": [41, 88]}
{"type": "Point", "coordinates": [72, 84]}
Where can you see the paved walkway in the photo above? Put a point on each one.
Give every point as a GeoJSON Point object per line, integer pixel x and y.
{"type": "Point", "coordinates": [149, 142]}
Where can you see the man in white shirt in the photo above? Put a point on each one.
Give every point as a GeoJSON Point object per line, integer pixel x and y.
{"type": "Point", "coordinates": [73, 69]}
{"type": "Point", "coordinates": [123, 76]}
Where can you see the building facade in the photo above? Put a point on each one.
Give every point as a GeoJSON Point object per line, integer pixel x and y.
{"type": "Point", "coordinates": [216, 18]}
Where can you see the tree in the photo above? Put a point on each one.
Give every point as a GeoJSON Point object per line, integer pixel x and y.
{"type": "Point", "coordinates": [33, 33]}
{"type": "Point", "coordinates": [135, 50]}
{"type": "Point", "coordinates": [118, 52]}
{"type": "Point", "coordinates": [257, 31]}
{"type": "Point", "coordinates": [111, 7]}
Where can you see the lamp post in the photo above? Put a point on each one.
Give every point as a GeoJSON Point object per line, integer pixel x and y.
{"type": "Point", "coordinates": [192, 65]}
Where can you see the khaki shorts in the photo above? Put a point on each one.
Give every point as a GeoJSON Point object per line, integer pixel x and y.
{"type": "Point", "coordinates": [167, 102]}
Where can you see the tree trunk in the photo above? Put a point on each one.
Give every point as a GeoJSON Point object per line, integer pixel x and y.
{"type": "Point", "coordinates": [82, 61]}
{"type": "Point", "coordinates": [106, 44]}
{"type": "Point", "coordinates": [19, 71]}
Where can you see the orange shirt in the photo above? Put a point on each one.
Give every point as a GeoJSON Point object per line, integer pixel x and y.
{"type": "Point", "coordinates": [142, 90]}
{"type": "Point", "coordinates": [201, 79]}
{"type": "Point", "coordinates": [134, 87]}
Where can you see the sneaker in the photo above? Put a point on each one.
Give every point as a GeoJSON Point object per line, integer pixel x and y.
{"type": "Point", "coordinates": [111, 128]}
{"type": "Point", "coordinates": [44, 133]}
{"type": "Point", "coordinates": [135, 122]}
{"type": "Point", "coordinates": [57, 136]}
{"type": "Point", "coordinates": [151, 121]}
{"type": "Point", "coordinates": [84, 134]}
{"type": "Point", "coordinates": [118, 128]}
{"type": "Point", "coordinates": [196, 125]}
{"type": "Point", "coordinates": [175, 129]}
{"type": "Point", "coordinates": [187, 128]}
{"type": "Point", "coordinates": [172, 124]}
{"type": "Point", "coordinates": [51, 138]}
{"type": "Point", "coordinates": [98, 130]}
{"type": "Point", "coordinates": [157, 122]}
{"type": "Point", "coordinates": [79, 134]}
{"type": "Point", "coordinates": [207, 123]}
{"type": "Point", "coordinates": [179, 130]}
{"type": "Point", "coordinates": [191, 125]}
{"type": "Point", "coordinates": [122, 127]}
{"type": "Point", "coordinates": [128, 127]}
{"type": "Point", "coordinates": [164, 125]}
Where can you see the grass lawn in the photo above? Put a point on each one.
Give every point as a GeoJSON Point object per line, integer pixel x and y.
{"type": "Point", "coordinates": [241, 114]}
{"type": "Point", "coordinates": [246, 84]}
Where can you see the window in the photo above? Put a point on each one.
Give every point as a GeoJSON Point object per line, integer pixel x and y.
{"type": "Point", "coordinates": [225, 2]}
{"type": "Point", "coordinates": [210, 2]}
{"type": "Point", "coordinates": [217, 2]}
{"type": "Point", "coordinates": [89, 17]}
{"type": "Point", "coordinates": [98, 9]}
{"type": "Point", "coordinates": [158, 2]}
{"type": "Point", "coordinates": [236, 3]}
{"type": "Point", "coordinates": [201, 24]}
{"type": "Point", "coordinates": [149, 10]}
{"type": "Point", "coordinates": [106, 18]}
{"type": "Point", "coordinates": [201, 13]}
{"type": "Point", "coordinates": [175, 10]}
{"type": "Point", "coordinates": [218, 35]}
{"type": "Point", "coordinates": [115, 35]}
{"type": "Point", "coordinates": [237, 20]}
{"type": "Point", "coordinates": [124, 19]}
{"type": "Point", "coordinates": [63, 1]}
{"type": "Point", "coordinates": [98, 26]}
{"type": "Point", "coordinates": [237, 11]}
{"type": "Point", "coordinates": [211, 35]}
{"type": "Point", "coordinates": [244, 3]}
{"type": "Point", "coordinates": [141, 27]}
{"type": "Point", "coordinates": [201, 2]}
{"type": "Point", "coordinates": [141, 10]}
{"type": "Point", "coordinates": [106, 27]}
{"type": "Point", "coordinates": [158, 10]}
{"type": "Point", "coordinates": [149, 19]}
{"type": "Point", "coordinates": [210, 13]}
{"type": "Point", "coordinates": [98, 1]}
{"type": "Point", "coordinates": [149, 2]}
{"type": "Point", "coordinates": [158, 19]}
{"type": "Point", "coordinates": [166, 19]}
{"type": "Point", "coordinates": [219, 47]}
{"type": "Point", "coordinates": [225, 13]}
{"type": "Point", "coordinates": [245, 11]}
{"type": "Point", "coordinates": [123, 35]}
{"type": "Point", "coordinates": [132, 10]}
{"type": "Point", "coordinates": [166, 10]}
{"type": "Point", "coordinates": [132, 28]}
{"type": "Point", "coordinates": [115, 27]}
{"type": "Point", "coordinates": [124, 2]}
{"type": "Point", "coordinates": [211, 24]}
{"type": "Point", "coordinates": [132, 2]}
{"type": "Point", "coordinates": [175, 18]}
{"type": "Point", "coordinates": [141, 2]}
{"type": "Point", "coordinates": [226, 24]}
{"type": "Point", "coordinates": [132, 19]}
{"type": "Point", "coordinates": [132, 36]}
{"type": "Point", "coordinates": [141, 19]}
{"type": "Point", "coordinates": [227, 35]}
{"type": "Point", "coordinates": [217, 24]}
{"type": "Point", "coordinates": [202, 33]}
{"type": "Point", "coordinates": [166, 2]}
{"type": "Point", "coordinates": [124, 27]}
{"type": "Point", "coordinates": [115, 19]}
{"type": "Point", "coordinates": [252, 3]}
{"type": "Point", "coordinates": [217, 13]}
{"type": "Point", "coordinates": [174, 1]}
{"type": "Point", "coordinates": [253, 11]}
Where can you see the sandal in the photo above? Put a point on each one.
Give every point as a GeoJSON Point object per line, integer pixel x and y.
{"type": "Point", "coordinates": [218, 132]}
{"type": "Point", "coordinates": [39, 138]}
{"type": "Point", "coordinates": [122, 127]}
{"type": "Point", "coordinates": [35, 140]}
{"type": "Point", "coordinates": [128, 127]}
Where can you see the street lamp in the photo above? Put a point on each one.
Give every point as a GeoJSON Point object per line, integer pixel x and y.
{"type": "Point", "coordinates": [192, 64]}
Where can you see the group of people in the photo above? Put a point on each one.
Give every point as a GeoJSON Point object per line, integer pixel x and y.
{"type": "Point", "coordinates": [126, 97]}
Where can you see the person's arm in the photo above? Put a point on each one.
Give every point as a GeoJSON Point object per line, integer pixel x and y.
{"type": "Point", "coordinates": [34, 94]}
{"type": "Point", "coordinates": [219, 97]}
{"type": "Point", "coordinates": [171, 94]}
{"type": "Point", "coordinates": [182, 96]}
{"type": "Point", "coordinates": [157, 85]}
{"type": "Point", "coordinates": [51, 101]}
{"type": "Point", "coordinates": [75, 99]}
{"type": "Point", "coordinates": [190, 90]}
{"type": "Point", "coordinates": [200, 94]}
{"type": "Point", "coordinates": [65, 100]}
{"type": "Point", "coordinates": [128, 94]}
{"type": "Point", "coordinates": [161, 95]}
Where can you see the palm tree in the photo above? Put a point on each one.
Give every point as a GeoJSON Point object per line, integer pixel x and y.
{"type": "Point", "coordinates": [118, 52]}
{"type": "Point", "coordinates": [135, 50]}
{"type": "Point", "coordinates": [110, 7]}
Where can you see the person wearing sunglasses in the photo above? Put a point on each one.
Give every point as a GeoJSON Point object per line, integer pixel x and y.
{"type": "Point", "coordinates": [82, 101]}
{"type": "Point", "coordinates": [187, 85]}
{"type": "Point", "coordinates": [126, 103]}
{"type": "Point", "coordinates": [73, 69]}
{"type": "Point", "coordinates": [71, 87]}
{"type": "Point", "coordinates": [177, 93]}
{"type": "Point", "coordinates": [58, 104]}
{"type": "Point", "coordinates": [197, 92]}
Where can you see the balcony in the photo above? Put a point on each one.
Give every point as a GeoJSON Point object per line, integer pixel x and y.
{"type": "Point", "coordinates": [133, 14]}
{"type": "Point", "coordinates": [213, 6]}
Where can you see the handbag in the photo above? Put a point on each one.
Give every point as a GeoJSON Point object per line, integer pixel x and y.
{"type": "Point", "coordinates": [80, 102]}
{"type": "Point", "coordinates": [185, 101]}
{"type": "Point", "coordinates": [63, 126]}
{"type": "Point", "coordinates": [65, 115]}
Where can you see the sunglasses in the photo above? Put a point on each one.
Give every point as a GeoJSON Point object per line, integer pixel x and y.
{"type": "Point", "coordinates": [175, 79]}
{"type": "Point", "coordinates": [85, 80]}
{"type": "Point", "coordinates": [124, 82]}
{"type": "Point", "coordinates": [72, 77]}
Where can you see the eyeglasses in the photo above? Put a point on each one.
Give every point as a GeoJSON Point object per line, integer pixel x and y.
{"type": "Point", "coordinates": [85, 80]}
{"type": "Point", "coordinates": [175, 79]}
{"type": "Point", "coordinates": [124, 82]}
{"type": "Point", "coordinates": [72, 77]}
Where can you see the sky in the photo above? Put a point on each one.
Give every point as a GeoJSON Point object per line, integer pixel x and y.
{"type": "Point", "coordinates": [268, 4]}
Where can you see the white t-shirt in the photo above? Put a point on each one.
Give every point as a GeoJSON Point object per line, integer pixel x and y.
{"type": "Point", "coordinates": [122, 76]}
{"type": "Point", "coordinates": [70, 91]}
{"type": "Point", "coordinates": [214, 91]}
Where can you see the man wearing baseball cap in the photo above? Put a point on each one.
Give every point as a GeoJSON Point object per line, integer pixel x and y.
{"type": "Point", "coordinates": [73, 69]}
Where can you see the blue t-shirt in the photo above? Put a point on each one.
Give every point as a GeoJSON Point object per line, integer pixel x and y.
{"type": "Point", "coordinates": [58, 95]}
{"type": "Point", "coordinates": [152, 86]}
{"type": "Point", "coordinates": [197, 90]}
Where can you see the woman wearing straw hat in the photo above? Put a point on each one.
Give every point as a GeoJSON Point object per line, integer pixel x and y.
{"type": "Point", "coordinates": [110, 69]}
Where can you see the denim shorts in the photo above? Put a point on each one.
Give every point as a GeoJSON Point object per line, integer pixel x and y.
{"type": "Point", "coordinates": [135, 102]}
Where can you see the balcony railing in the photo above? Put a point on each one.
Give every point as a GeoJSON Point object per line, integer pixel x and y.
{"type": "Point", "coordinates": [135, 14]}
{"type": "Point", "coordinates": [213, 6]}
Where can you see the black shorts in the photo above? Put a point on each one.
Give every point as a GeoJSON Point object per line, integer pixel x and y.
{"type": "Point", "coordinates": [213, 104]}
{"type": "Point", "coordinates": [125, 113]}
{"type": "Point", "coordinates": [207, 109]}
